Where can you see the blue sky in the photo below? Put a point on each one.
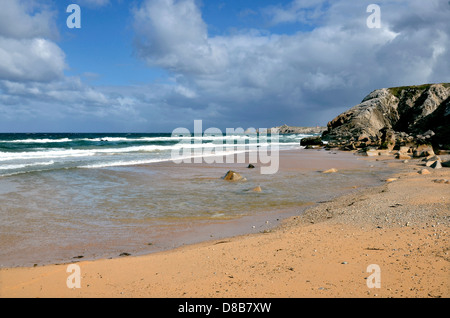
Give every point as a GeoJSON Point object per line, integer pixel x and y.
{"type": "Point", "coordinates": [155, 65]}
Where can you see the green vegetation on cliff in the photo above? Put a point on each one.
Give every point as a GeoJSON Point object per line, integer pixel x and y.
{"type": "Point", "coordinates": [396, 91]}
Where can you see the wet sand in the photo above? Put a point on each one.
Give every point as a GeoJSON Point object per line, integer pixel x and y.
{"type": "Point", "coordinates": [401, 226]}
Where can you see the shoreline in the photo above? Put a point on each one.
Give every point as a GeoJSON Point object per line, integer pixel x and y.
{"type": "Point", "coordinates": [324, 252]}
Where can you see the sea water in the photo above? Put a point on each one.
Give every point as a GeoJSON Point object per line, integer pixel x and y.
{"type": "Point", "coordinates": [69, 196]}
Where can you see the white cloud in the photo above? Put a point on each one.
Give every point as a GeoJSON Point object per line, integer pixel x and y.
{"type": "Point", "coordinates": [26, 51]}
{"type": "Point", "coordinates": [172, 34]}
{"type": "Point", "coordinates": [30, 60]}
{"type": "Point", "coordinates": [302, 11]}
{"type": "Point", "coordinates": [21, 19]}
{"type": "Point", "coordinates": [93, 3]}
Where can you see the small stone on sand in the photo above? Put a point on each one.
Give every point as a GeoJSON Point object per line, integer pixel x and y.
{"type": "Point", "coordinates": [257, 189]}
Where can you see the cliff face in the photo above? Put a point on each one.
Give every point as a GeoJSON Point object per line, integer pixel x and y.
{"type": "Point", "coordinates": [396, 115]}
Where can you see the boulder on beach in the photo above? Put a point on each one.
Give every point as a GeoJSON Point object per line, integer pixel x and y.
{"type": "Point", "coordinates": [233, 176]}
{"type": "Point", "coordinates": [311, 141]}
{"type": "Point", "coordinates": [423, 151]}
{"type": "Point", "coordinates": [424, 171]}
{"type": "Point", "coordinates": [436, 165]}
{"type": "Point", "coordinates": [405, 150]}
{"type": "Point", "coordinates": [257, 189]}
{"type": "Point", "coordinates": [371, 153]}
{"type": "Point", "coordinates": [387, 139]}
{"type": "Point", "coordinates": [429, 163]}
{"type": "Point", "coordinates": [433, 158]}
{"type": "Point", "coordinates": [402, 156]}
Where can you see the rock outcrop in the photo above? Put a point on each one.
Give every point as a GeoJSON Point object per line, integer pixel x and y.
{"type": "Point", "coordinates": [285, 129]}
{"type": "Point", "coordinates": [390, 118]}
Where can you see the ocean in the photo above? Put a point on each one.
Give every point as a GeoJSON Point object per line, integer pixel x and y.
{"type": "Point", "coordinates": [66, 197]}
{"type": "Point", "coordinates": [26, 153]}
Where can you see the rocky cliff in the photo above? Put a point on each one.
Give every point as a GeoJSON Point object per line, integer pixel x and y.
{"type": "Point", "coordinates": [394, 117]}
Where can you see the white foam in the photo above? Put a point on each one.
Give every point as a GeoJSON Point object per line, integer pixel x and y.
{"type": "Point", "coordinates": [21, 166]}
{"type": "Point", "coordinates": [68, 153]}
{"type": "Point", "coordinates": [35, 141]}
{"type": "Point", "coordinates": [174, 138]}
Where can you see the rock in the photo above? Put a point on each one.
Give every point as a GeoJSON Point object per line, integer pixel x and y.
{"type": "Point", "coordinates": [311, 141]}
{"type": "Point", "coordinates": [424, 171]}
{"type": "Point", "coordinates": [371, 153]}
{"type": "Point", "coordinates": [405, 150]}
{"type": "Point", "coordinates": [433, 158]}
{"type": "Point", "coordinates": [233, 176]}
{"type": "Point", "coordinates": [384, 152]}
{"type": "Point", "coordinates": [363, 138]}
{"type": "Point", "coordinates": [285, 129]}
{"type": "Point", "coordinates": [402, 156]}
{"type": "Point", "coordinates": [387, 139]}
{"type": "Point", "coordinates": [396, 116]}
{"type": "Point", "coordinates": [440, 181]}
{"type": "Point", "coordinates": [429, 163]}
{"type": "Point", "coordinates": [423, 151]}
{"type": "Point", "coordinates": [436, 165]}
{"type": "Point", "coordinates": [250, 166]}
{"type": "Point", "coordinates": [391, 180]}
{"type": "Point", "coordinates": [446, 164]}
{"type": "Point", "coordinates": [257, 189]}
{"type": "Point", "coordinates": [332, 170]}
{"type": "Point", "coordinates": [348, 147]}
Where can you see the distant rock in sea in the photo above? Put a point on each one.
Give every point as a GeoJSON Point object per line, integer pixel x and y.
{"type": "Point", "coordinates": [413, 117]}
{"type": "Point", "coordinates": [285, 129]}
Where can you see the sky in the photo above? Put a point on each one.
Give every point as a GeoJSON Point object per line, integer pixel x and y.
{"type": "Point", "coordinates": [156, 65]}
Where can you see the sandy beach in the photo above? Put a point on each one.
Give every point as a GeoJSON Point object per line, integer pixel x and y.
{"type": "Point", "coordinates": [401, 226]}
